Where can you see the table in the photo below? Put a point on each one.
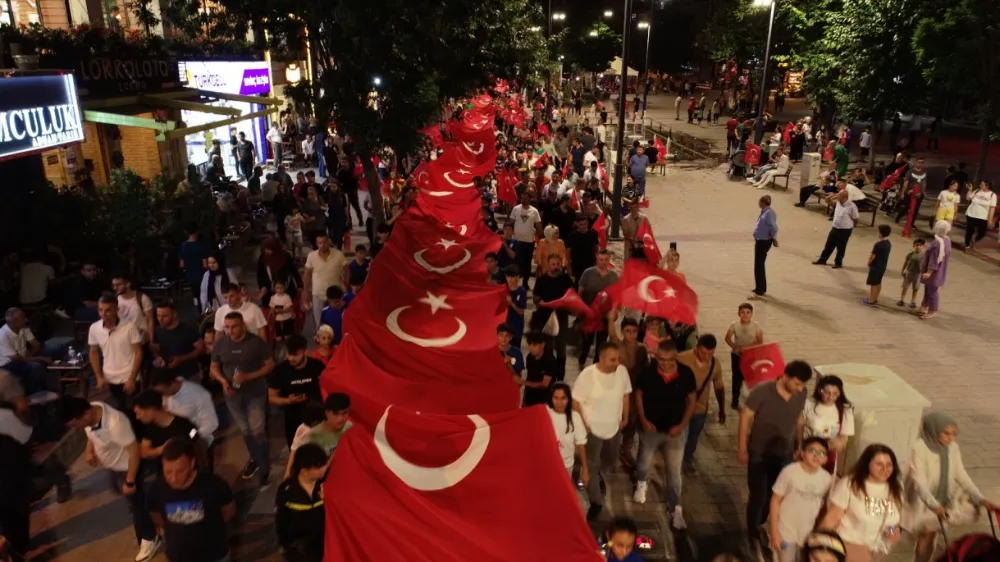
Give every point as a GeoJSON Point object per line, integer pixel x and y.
{"type": "Point", "coordinates": [76, 372]}
{"type": "Point", "coordinates": [161, 289]}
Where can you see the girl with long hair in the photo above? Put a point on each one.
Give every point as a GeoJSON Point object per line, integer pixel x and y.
{"type": "Point", "coordinates": [299, 519]}
{"type": "Point", "coordinates": [830, 415]}
{"type": "Point", "coordinates": [864, 507]}
{"type": "Point", "coordinates": [939, 492]}
{"type": "Point", "coordinates": [215, 282]}
{"type": "Point", "coordinates": [571, 433]}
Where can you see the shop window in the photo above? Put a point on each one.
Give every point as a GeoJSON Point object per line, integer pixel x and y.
{"type": "Point", "coordinates": [20, 12]}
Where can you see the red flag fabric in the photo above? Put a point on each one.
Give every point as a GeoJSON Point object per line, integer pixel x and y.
{"type": "Point", "coordinates": [544, 129]}
{"type": "Point", "coordinates": [656, 292]}
{"type": "Point", "coordinates": [421, 474]}
{"type": "Point", "coordinates": [605, 182]}
{"type": "Point", "coordinates": [828, 154]}
{"type": "Point", "coordinates": [601, 226]}
{"type": "Point", "coordinates": [570, 302]}
{"type": "Point", "coordinates": [661, 149]}
{"type": "Point", "coordinates": [893, 178]}
{"type": "Point", "coordinates": [786, 135]}
{"type": "Point", "coordinates": [505, 188]}
{"type": "Point", "coordinates": [753, 153]}
{"type": "Point", "coordinates": [464, 159]}
{"type": "Point", "coordinates": [501, 87]}
{"type": "Point", "coordinates": [434, 133]}
{"type": "Point", "coordinates": [574, 199]}
{"type": "Point", "coordinates": [649, 245]}
{"type": "Point", "coordinates": [471, 390]}
{"type": "Point", "coordinates": [761, 363]}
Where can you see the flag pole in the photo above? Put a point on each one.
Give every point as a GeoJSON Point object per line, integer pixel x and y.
{"type": "Point", "coordinates": [616, 196]}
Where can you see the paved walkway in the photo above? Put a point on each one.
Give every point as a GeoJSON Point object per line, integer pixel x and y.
{"type": "Point", "coordinates": [816, 315]}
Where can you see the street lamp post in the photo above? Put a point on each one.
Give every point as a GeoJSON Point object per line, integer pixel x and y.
{"type": "Point", "coordinates": [549, 96]}
{"type": "Point", "coordinates": [616, 194]}
{"type": "Point", "coordinates": [759, 133]}
{"type": "Point", "coordinates": [645, 94]}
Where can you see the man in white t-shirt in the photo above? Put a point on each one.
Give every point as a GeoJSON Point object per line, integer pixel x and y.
{"type": "Point", "coordinates": [20, 354]}
{"type": "Point", "coordinates": [115, 352]}
{"type": "Point", "coordinates": [188, 400]}
{"type": "Point", "coordinates": [134, 307]}
{"type": "Point", "coordinates": [36, 275]}
{"type": "Point", "coordinates": [253, 316]}
{"type": "Point", "coordinates": [111, 444]}
{"type": "Point", "coordinates": [527, 223]}
{"type": "Point", "coordinates": [602, 395]}
{"type": "Point", "coordinates": [324, 269]}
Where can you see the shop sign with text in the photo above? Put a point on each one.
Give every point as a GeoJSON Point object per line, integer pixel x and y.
{"type": "Point", "coordinates": [38, 113]}
{"type": "Point", "coordinates": [245, 78]}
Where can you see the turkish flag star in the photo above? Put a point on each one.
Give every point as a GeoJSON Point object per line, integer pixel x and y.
{"type": "Point", "coordinates": [656, 292]}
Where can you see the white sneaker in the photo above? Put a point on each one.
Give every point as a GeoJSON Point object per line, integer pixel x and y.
{"type": "Point", "coordinates": [677, 519]}
{"type": "Point", "coordinates": [640, 492]}
{"type": "Point", "coordinates": [761, 186]}
{"type": "Point", "coordinates": [147, 549]}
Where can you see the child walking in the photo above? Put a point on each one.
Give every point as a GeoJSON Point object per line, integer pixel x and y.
{"type": "Point", "coordinates": [797, 500]}
{"type": "Point", "coordinates": [742, 333]}
{"type": "Point", "coordinates": [284, 314]}
{"type": "Point", "coordinates": [877, 262]}
{"type": "Point", "coordinates": [911, 273]}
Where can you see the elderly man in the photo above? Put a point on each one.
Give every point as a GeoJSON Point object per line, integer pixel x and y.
{"type": "Point", "coordinates": [21, 354]}
{"type": "Point", "coordinates": [845, 217]}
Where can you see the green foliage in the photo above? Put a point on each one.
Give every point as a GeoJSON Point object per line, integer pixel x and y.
{"type": "Point", "coordinates": [589, 53]}
{"type": "Point", "coordinates": [144, 14]}
{"type": "Point", "coordinates": [100, 41]}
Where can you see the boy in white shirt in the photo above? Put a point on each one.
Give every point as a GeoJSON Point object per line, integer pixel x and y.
{"type": "Point", "coordinates": [284, 313]}
{"type": "Point", "coordinates": [798, 497]}
{"type": "Point", "coordinates": [602, 394]}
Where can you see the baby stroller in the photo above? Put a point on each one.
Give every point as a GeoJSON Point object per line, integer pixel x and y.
{"type": "Point", "coordinates": [737, 164]}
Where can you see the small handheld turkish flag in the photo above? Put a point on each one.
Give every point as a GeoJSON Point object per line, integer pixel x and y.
{"type": "Point", "coordinates": [661, 149]}
{"type": "Point", "coordinates": [761, 363]}
{"type": "Point", "coordinates": [753, 154]}
{"type": "Point", "coordinates": [786, 135]}
{"type": "Point", "coordinates": [892, 179]}
{"type": "Point", "coordinates": [605, 182]}
{"type": "Point", "coordinates": [505, 188]}
{"type": "Point", "coordinates": [649, 245]}
{"type": "Point", "coordinates": [601, 227]}
{"type": "Point", "coordinates": [570, 302]}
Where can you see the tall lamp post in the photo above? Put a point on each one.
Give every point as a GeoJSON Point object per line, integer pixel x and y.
{"type": "Point", "coordinates": [616, 197]}
{"type": "Point", "coordinates": [645, 94]}
{"type": "Point", "coordinates": [557, 16]}
{"type": "Point", "coordinates": [759, 133]}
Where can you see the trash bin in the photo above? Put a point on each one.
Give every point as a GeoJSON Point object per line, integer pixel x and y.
{"type": "Point", "coordinates": [887, 410]}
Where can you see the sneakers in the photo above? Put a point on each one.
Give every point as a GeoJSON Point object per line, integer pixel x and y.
{"type": "Point", "coordinates": [640, 492]}
{"type": "Point", "coordinates": [900, 303]}
{"type": "Point", "coordinates": [677, 519]}
{"type": "Point", "coordinates": [249, 471]}
{"type": "Point", "coordinates": [148, 548]}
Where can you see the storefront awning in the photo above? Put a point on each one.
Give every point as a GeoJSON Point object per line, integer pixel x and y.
{"type": "Point", "coordinates": [102, 111]}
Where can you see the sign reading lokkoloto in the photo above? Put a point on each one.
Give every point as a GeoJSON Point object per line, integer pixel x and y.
{"type": "Point", "coordinates": [38, 113]}
{"type": "Point", "coordinates": [246, 78]}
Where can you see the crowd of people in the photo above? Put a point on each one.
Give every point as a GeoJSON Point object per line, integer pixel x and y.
{"type": "Point", "coordinates": [645, 387]}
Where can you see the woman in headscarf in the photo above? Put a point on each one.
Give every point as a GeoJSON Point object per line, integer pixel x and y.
{"type": "Point", "coordinates": [275, 264]}
{"type": "Point", "coordinates": [937, 486]}
{"type": "Point", "coordinates": [215, 282]}
{"type": "Point", "coordinates": [549, 245]}
{"type": "Point", "coordinates": [934, 270]}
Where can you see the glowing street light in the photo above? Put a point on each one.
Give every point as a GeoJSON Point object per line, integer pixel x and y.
{"type": "Point", "coordinates": [763, 3]}
{"type": "Point", "coordinates": [643, 25]}
{"type": "Point", "coordinates": [593, 33]}
{"type": "Point", "coordinates": [759, 133]}
{"type": "Point", "coordinates": [559, 16]}
{"type": "Point", "coordinates": [608, 13]}
{"type": "Point", "coordinates": [377, 81]}
{"type": "Point", "coordinates": [535, 28]}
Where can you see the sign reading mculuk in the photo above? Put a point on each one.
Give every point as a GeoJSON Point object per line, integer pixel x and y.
{"type": "Point", "coordinates": [38, 113]}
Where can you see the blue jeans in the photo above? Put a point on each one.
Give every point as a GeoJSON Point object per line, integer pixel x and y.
{"type": "Point", "coordinates": [249, 410]}
{"type": "Point", "coordinates": [673, 454]}
{"type": "Point", "coordinates": [695, 427]}
{"type": "Point", "coordinates": [34, 376]}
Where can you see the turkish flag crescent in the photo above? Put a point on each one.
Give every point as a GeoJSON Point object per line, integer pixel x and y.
{"type": "Point", "coordinates": [649, 246]}
{"type": "Point", "coordinates": [655, 291]}
{"type": "Point", "coordinates": [761, 363]}
{"type": "Point", "coordinates": [505, 188]}
{"type": "Point", "coordinates": [395, 492]}
{"type": "Point", "coordinates": [752, 154]}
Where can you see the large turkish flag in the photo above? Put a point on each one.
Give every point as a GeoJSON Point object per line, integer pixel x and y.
{"type": "Point", "coordinates": [426, 488]}
{"type": "Point", "coordinates": [467, 389]}
{"type": "Point", "coordinates": [649, 245]}
{"type": "Point", "coordinates": [761, 363]}
{"type": "Point", "coordinates": [656, 292]}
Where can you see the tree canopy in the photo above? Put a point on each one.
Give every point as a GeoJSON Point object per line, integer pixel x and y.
{"type": "Point", "coordinates": [593, 49]}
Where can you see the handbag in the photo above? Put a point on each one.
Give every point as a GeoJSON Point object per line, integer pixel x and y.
{"type": "Point", "coordinates": [551, 327]}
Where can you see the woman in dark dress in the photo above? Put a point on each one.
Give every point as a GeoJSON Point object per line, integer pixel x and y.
{"type": "Point", "coordinates": [275, 264]}
{"type": "Point", "coordinates": [798, 144]}
{"type": "Point", "coordinates": [336, 201]}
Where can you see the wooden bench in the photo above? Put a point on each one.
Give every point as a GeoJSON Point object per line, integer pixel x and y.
{"type": "Point", "coordinates": [786, 176]}
{"type": "Point", "coordinates": [869, 204]}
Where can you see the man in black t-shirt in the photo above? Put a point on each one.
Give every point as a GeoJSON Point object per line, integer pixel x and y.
{"type": "Point", "coordinates": [178, 346]}
{"type": "Point", "coordinates": [582, 244]}
{"type": "Point", "coordinates": [665, 401]}
{"type": "Point", "coordinates": [160, 426]}
{"type": "Point", "coordinates": [538, 370]}
{"type": "Point", "coordinates": [550, 286]}
{"type": "Point", "coordinates": [562, 217]}
{"type": "Point", "coordinates": [191, 506]}
{"type": "Point", "coordinates": [294, 382]}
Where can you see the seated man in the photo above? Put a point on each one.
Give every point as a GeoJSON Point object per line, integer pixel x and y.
{"type": "Point", "coordinates": [854, 194]}
{"type": "Point", "coordinates": [82, 292]}
{"type": "Point", "coordinates": [827, 182]}
{"type": "Point", "coordinates": [21, 354]}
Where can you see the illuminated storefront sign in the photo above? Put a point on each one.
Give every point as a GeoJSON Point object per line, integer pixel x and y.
{"type": "Point", "coordinates": [38, 113]}
{"type": "Point", "coordinates": [246, 78]}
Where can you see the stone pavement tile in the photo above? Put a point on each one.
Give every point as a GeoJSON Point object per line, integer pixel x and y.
{"type": "Point", "coordinates": [816, 315]}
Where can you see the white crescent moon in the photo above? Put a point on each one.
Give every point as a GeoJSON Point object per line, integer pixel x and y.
{"type": "Point", "coordinates": [767, 362]}
{"type": "Point", "coordinates": [421, 176]}
{"type": "Point", "coordinates": [440, 193]}
{"type": "Point", "coordinates": [432, 479]}
{"type": "Point", "coordinates": [392, 322]}
{"type": "Point", "coordinates": [447, 177]}
{"type": "Point", "coordinates": [468, 146]}
{"type": "Point", "coordinates": [418, 257]}
{"type": "Point", "coordinates": [644, 289]}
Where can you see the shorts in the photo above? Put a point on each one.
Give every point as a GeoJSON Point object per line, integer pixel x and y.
{"type": "Point", "coordinates": [875, 276]}
{"type": "Point", "coordinates": [912, 281]}
{"type": "Point", "coordinates": [945, 215]}
{"type": "Point", "coordinates": [284, 328]}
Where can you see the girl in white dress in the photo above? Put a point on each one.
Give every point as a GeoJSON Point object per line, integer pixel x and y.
{"type": "Point", "coordinates": [829, 414]}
